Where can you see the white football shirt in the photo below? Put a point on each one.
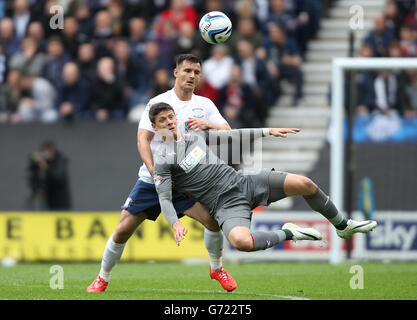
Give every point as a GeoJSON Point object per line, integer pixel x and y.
{"type": "Point", "coordinates": [197, 107]}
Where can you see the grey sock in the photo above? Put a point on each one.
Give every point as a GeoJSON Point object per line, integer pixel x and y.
{"type": "Point", "coordinates": [263, 240]}
{"type": "Point", "coordinates": [321, 203]}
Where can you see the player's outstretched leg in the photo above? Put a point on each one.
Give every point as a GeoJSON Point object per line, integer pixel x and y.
{"type": "Point", "coordinates": [302, 233]}
{"type": "Point", "coordinates": [114, 249]}
{"type": "Point", "coordinates": [243, 239]}
{"type": "Point", "coordinates": [320, 202]}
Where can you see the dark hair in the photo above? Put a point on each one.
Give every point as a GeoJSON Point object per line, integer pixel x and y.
{"type": "Point", "coordinates": [157, 108]}
{"type": "Point", "coordinates": [187, 57]}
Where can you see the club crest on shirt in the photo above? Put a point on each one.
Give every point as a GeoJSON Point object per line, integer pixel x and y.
{"type": "Point", "coordinates": [198, 112]}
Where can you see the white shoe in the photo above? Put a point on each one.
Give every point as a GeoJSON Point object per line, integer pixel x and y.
{"type": "Point", "coordinates": [356, 226]}
{"type": "Point", "coordinates": [302, 233]}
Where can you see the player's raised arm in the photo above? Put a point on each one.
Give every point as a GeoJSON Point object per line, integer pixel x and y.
{"type": "Point", "coordinates": [280, 132]}
{"type": "Point", "coordinates": [236, 135]}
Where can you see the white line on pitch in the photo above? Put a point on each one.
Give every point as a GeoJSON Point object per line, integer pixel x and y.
{"type": "Point", "coordinates": [234, 293]}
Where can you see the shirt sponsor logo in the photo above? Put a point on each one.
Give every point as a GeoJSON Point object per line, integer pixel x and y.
{"type": "Point", "coordinates": [192, 159]}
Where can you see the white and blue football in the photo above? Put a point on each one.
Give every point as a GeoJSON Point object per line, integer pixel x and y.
{"type": "Point", "coordinates": [215, 27]}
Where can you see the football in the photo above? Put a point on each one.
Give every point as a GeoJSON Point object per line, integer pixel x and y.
{"type": "Point", "coordinates": [215, 27]}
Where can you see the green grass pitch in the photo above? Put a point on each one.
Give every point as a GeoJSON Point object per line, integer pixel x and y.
{"type": "Point", "coordinates": [177, 281]}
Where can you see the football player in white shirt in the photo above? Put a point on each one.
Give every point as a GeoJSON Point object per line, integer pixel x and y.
{"type": "Point", "coordinates": [196, 113]}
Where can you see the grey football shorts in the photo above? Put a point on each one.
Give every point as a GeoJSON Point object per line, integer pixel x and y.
{"type": "Point", "coordinates": [259, 189]}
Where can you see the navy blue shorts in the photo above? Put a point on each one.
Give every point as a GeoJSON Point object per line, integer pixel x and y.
{"type": "Point", "coordinates": [144, 198]}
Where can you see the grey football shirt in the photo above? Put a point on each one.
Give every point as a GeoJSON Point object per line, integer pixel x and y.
{"type": "Point", "coordinates": [196, 170]}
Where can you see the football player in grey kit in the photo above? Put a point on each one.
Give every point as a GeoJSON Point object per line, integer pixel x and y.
{"type": "Point", "coordinates": [187, 161]}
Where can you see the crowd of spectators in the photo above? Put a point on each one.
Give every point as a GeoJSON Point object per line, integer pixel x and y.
{"type": "Point", "coordinates": [112, 56]}
{"type": "Point", "coordinates": [394, 34]}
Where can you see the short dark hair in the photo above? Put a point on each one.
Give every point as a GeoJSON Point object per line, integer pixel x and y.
{"type": "Point", "coordinates": [187, 57]}
{"type": "Point", "coordinates": [157, 108]}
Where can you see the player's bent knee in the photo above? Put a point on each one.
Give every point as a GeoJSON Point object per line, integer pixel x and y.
{"type": "Point", "coordinates": [309, 186]}
{"type": "Point", "coordinates": [242, 241]}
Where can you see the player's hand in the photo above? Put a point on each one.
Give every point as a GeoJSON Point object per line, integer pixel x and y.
{"type": "Point", "coordinates": [198, 124]}
{"type": "Point", "coordinates": [282, 132]}
{"type": "Point", "coordinates": [179, 232]}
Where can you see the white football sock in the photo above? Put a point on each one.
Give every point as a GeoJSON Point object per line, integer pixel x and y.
{"type": "Point", "coordinates": [214, 245]}
{"type": "Point", "coordinates": [111, 256]}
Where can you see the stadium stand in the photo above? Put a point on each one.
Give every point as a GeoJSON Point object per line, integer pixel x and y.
{"type": "Point", "coordinates": [142, 37]}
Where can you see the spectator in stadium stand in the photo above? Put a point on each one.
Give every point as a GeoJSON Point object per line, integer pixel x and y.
{"type": "Point", "coordinates": [87, 61]}
{"type": "Point", "coordinates": [177, 13]}
{"type": "Point", "coordinates": [161, 82]}
{"type": "Point", "coordinates": [146, 9]}
{"type": "Point", "coordinates": [255, 74]}
{"type": "Point", "coordinates": [237, 101]}
{"type": "Point", "coordinates": [393, 19]}
{"type": "Point", "coordinates": [85, 20]}
{"type": "Point", "coordinates": [8, 38]}
{"type": "Point", "coordinates": [364, 83]}
{"type": "Point", "coordinates": [410, 97]}
{"type": "Point", "coordinates": [403, 80]}
{"type": "Point", "coordinates": [386, 86]}
{"type": "Point", "coordinates": [10, 94]}
{"type": "Point", "coordinates": [30, 60]}
{"type": "Point", "coordinates": [127, 70]}
{"type": "Point", "coordinates": [46, 17]}
{"type": "Point", "coordinates": [115, 9]}
{"type": "Point", "coordinates": [284, 54]}
{"type": "Point", "coordinates": [380, 37]}
{"type": "Point", "coordinates": [107, 92]}
{"type": "Point", "coordinates": [137, 37]}
{"type": "Point", "coordinates": [48, 175]}
{"type": "Point", "coordinates": [205, 89]}
{"type": "Point", "coordinates": [217, 68]}
{"type": "Point", "coordinates": [302, 11]}
{"type": "Point", "coordinates": [38, 100]}
{"type": "Point", "coordinates": [35, 30]}
{"type": "Point", "coordinates": [408, 42]}
{"type": "Point", "coordinates": [279, 15]}
{"type": "Point", "coordinates": [411, 19]}
{"type": "Point", "coordinates": [103, 33]}
{"type": "Point", "coordinates": [74, 94]}
{"type": "Point", "coordinates": [21, 17]}
{"type": "Point", "coordinates": [246, 29]}
{"type": "Point", "coordinates": [188, 41]}
{"type": "Point", "coordinates": [71, 38]}
{"type": "Point", "coordinates": [166, 41]}
{"type": "Point", "coordinates": [147, 66]}
{"type": "Point", "coordinates": [55, 59]}
{"type": "Point", "coordinates": [245, 9]}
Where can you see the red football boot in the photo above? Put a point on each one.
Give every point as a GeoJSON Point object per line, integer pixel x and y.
{"type": "Point", "coordinates": [225, 279]}
{"type": "Point", "coordinates": [98, 285]}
